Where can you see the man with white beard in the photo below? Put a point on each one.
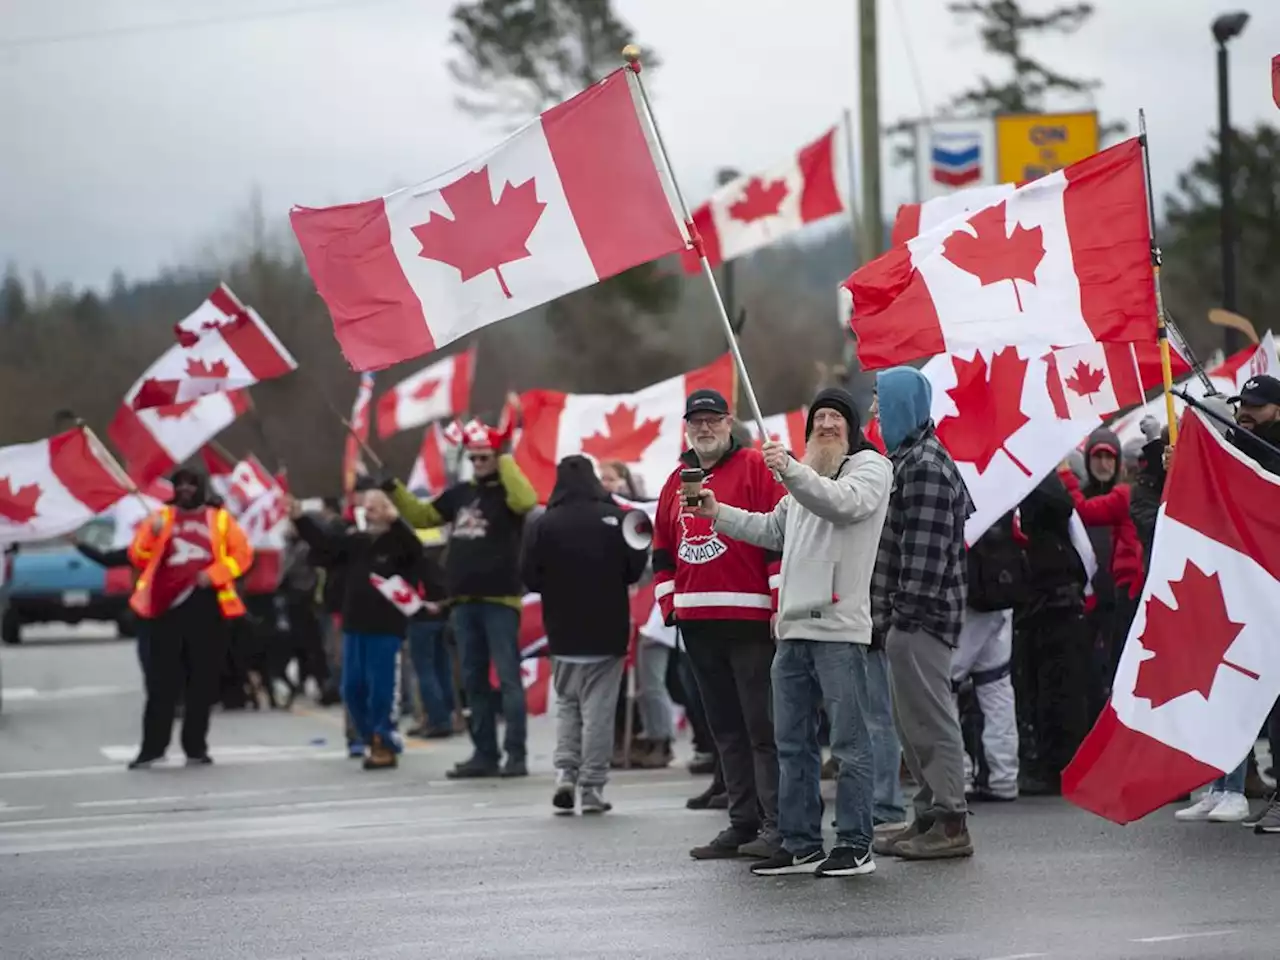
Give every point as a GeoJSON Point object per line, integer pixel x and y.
{"type": "Point", "coordinates": [829, 523]}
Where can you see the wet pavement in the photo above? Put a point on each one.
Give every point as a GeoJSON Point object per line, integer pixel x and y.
{"type": "Point", "coordinates": [285, 849]}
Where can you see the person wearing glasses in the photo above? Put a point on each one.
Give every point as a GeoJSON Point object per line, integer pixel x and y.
{"type": "Point", "coordinates": [482, 575]}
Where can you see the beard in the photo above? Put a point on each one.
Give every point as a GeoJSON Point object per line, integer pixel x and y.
{"type": "Point", "coordinates": [709, 449]}
{"type": "Point", "coordinates": [824, 455]}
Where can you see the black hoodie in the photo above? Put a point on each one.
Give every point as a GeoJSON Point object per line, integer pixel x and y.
{"type": "Point", "coordinates": [576, 557]}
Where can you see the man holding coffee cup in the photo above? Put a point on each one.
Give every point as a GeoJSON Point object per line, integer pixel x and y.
{"type": "Point", "coordinates": [721, 594]}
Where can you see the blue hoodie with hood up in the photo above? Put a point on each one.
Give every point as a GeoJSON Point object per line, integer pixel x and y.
{"type": "Point", "coordinates": [904, 397]}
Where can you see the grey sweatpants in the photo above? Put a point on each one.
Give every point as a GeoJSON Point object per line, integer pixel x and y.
{"type": "Point", "coordinates": [924, 712]}
{"type": "Point", "coordinates": [586, 701]}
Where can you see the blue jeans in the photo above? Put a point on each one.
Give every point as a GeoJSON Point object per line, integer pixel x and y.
{"type": "Point", "coordinates": [369, 676]}
{"type": "Point", "coordinates": [886, 752]}
{"type": "Point", "coordinates": [434, 671]}
{"type": "Point", "coordinates": [807, 674]}
{"type": "Point", "coordinates": [489, 633]}
{"type": "Point", "coordinates": [1233, 782]}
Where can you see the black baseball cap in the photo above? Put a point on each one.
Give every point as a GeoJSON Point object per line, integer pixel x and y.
{"type": "Point", "coordinates": [1259, 391]}
{"type": "Point", "coordinates": [706, 401]}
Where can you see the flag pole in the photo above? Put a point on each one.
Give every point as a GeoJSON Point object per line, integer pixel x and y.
{"type": "Point", "coordinates": [1162, 331]}
{"type": "Point", "coordinates": [107, 458]}
{"type": "Point", "coordinates": [631, 54]}
{"type": "Point", "coordinates": [351, 431]}
{"type": "Point", "coordinates": [852, 172]}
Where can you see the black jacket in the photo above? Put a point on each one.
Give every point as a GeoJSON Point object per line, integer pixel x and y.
{"type": "Point", "coordinates": [360, 554]}
{"type": "Point", "coordinates": [431, 582]}
{"type": "Point", "coordinates": [1250, 447]}
{"type": "Point", "coordinates": [576, 557]}
{"type": "Point", "coordinates": [1057, 575]}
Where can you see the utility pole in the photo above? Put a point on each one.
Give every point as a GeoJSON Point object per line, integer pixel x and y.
{"type": "Point", "coordinates": [1225, 28]}
{"type": "Point", "coordinates": [872, 244]}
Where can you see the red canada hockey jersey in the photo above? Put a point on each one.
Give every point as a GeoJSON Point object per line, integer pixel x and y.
{"type": "Point", "coordinates": [697, 573]}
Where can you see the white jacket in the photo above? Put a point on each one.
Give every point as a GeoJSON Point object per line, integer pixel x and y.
{"type": "Point", "coordinates": [828, 532]}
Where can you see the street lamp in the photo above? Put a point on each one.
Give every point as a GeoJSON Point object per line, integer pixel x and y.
{"type": "Point", "coordinates": [1225, 28]}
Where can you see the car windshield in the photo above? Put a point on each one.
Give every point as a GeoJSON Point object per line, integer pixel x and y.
{"type": "Point", "coordinates": [97, 534]}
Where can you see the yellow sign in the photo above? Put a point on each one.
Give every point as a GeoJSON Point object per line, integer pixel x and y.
{"type": "Point", "coordinates": [1029, 145]}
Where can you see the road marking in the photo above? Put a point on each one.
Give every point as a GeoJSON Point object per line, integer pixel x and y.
{"type": "Point", "coordinates": [250, 751]}
{"type": "Point", "coordinates": [1172, 937]}
{"type": "Point", "coordinates": [211, 795]}
{"type": "Point", "coordinates": [15, 694]}
{"type": "Point", "coordinates": [1019, 956]}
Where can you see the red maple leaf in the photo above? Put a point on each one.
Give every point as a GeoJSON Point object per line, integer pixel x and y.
{"type": "Point", "coordinates": [186, 338]}
{"type": "Point", "coordinates": [18, 506]}
{"type": "Point", "coordinates": [155, 393]}
{"type": "Point", "coordinates": [1189, 642]}
{"type": "Point", "coordinates": [625, 440]}
{"type": "Point", "coordinates": [993, 254]}
{"type": "Point", "coordinates": [403, 596]}
{"type": "Point", "coordinates": [175, 411]}
{"type": "Point", "coordinates": [988, 409]}
{"type": "Point", "coordinates": [427, 390]}
{"type": "Point", "coordinates": [217, 370]}
{"type": "Point", "coordinates": [483, 235]}
{"type": "Point", "coordinates": [759, 201]}
{"type": "Point", "coordinates": [1085, 381]}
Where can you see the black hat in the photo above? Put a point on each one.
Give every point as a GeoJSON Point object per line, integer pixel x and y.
{"type": "Point", "coordinates": [1259, 391]}
{"type": "Point", "coordinates": [705, 401]}
{"type": "Point", "coordinates": [189, 475]}
{"type": "Point", "coordinates": [841, 401]}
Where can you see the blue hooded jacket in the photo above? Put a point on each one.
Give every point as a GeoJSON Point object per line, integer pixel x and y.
{"type": "Point", "coordinates": [904, 397]}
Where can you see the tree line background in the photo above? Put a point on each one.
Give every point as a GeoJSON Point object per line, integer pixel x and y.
{"type": "Point", "coordinates": [68, 349]}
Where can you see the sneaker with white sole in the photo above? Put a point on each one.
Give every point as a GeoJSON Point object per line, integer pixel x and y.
{"type": "Point", "coordinates": [1201, 809]}
{"type": "Point", "coordinates": [1231, 808]}
{"type": "Point", "coordinates": [566, 793]}
{"type": "Point", "coordinates": [593, 800]}
{"type": "Point", "coordinates": [783, 864]}
{"type": "Point", "coordinates": [847, 862]}
{"type": "Point", "coordinates": [1269, 820]}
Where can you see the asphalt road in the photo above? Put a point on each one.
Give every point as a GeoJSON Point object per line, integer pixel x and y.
{"type": "Point", "coordinates": [285, 849]}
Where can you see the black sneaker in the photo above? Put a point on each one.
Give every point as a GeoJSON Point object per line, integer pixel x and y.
{"type": "Point", "coordinates": [725, 846]}
{"type": "Point", "coordinates": [143, 762]}
{"type": "Point", "coordinates": [847, 862]}
{"type": "Point", "coordinates": [704, 800]}
{"type": "Point", "coordinates": [204, 761]}
{"type": "Point", "coordinates": [783, 864]}
{"type": "Point", "coordinates": [473, 769]}
{"type": "Point", "coordinates": [514, 768]}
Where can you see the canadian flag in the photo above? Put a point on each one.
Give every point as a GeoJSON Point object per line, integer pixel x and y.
{"type": "Point", "coordinates": [996, 418]}
{"type": "Point", "coordinates": [1101, 378]}
{"type": "Point", "coordinates": [573, 197]}
{"type": "Point", "coordinates": [156, 440]}
{"type": "Point", "coordinates": [1200, 670]}
{"type": "Point", "coordinates": [436, 392]}
{"type": "Point", "coordinates": [1064, 260]}
{"type": "Point", "coordinates": [260, 505]}
{"type": "Point", "coordinates": [396, 589]}
{"type": "Point", "coordinates": [786, 428]}
{"type": "Point", "coordinates": [644, 430]}
{"type": "Point", "coordinates": [53, 486]}
{"type": "Point", "coordinates": [221, 346]}
{"type": "Point", "coordinates": [353, 464]}
{"type": "Point", "coordinates": [428, 472]}
{"type": "Point", "coordinates": [535, 665]}
{"type": "Point", "coordinates": [914, 219]}
{"type": "Point", "coordinates": [754, 211]}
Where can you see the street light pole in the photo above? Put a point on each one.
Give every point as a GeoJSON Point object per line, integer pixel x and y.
{"type": "Point", "coordinates": [1225, 28]}
{"type": "Point", "coordinates": [872, 244]}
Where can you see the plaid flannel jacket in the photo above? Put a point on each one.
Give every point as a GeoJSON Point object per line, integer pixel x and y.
{"type": "Point", "coordinates": [919, 582]}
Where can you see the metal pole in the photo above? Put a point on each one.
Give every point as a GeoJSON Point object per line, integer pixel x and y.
{"type": "Point", "coordinates": [631, 53]}
{"type": "Point", "coordinates": [1228, 200]}
{"type": "Point", "coordinates": [869, 106]}
{"type": "Point", "coordinates": [1162, 331]}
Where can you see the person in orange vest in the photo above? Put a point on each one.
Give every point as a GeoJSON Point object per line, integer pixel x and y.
{"type": "Point", "coordinates": [189, 554]}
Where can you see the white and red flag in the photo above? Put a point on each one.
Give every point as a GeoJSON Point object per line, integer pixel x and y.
{"type": "Point", "coordinates": [644, 430]}
{"type": "Point", "coordinates": [53, 486]}
{"type": "Point", "coordinates": [396, 589]}
{"type": "Point", "coordinates": [996, 418]}
{"type": "Point", "coordinates": [756, 210]}
{"type": "Point", "coordinates": [223, 345]}
{"type": "Point", "coordinates": [914, 219]}
{"type": "Point", "coordinates": [1200, 670]}
{"type": "Point", "coordinates": [1100, 378]}
{"type": "Point", "coordinates": [1064, 260]}
{"type": "Point", "coordinates": [155, 441]}
{"type": "Point", "coordinates": [260, 505]}
{"type": "Point", "coordinates": [353, 464]}
{"type": "Point", "coordinates": [785, 428]}
{"type": "Point", "coordinates": [436, 392]}
{"type": "Point", "coordinates": [573, 197]}
{"type": "Point", "coordinates": [429, 472]}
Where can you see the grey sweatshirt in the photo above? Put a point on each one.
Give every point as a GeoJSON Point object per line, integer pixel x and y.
{"type": "Point", "coordinates": [828, 532]}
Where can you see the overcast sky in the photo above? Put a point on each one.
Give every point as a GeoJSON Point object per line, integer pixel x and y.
{"type": "Point", "coordinates": [135, 150]}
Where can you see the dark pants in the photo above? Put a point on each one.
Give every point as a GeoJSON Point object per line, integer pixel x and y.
{"type": "Point", "coordinates": [489, 634]}
{"type": "Point", "coordinates": [186, 649]}
{"type": "Point", "coordinates": [307, 640]}
{"type": "Point", "coordinates": [1053, 650]}
{"type": "Point", "coordinates": [691, 700]}
{"type": "Point", "coordinates": [434, 670]}
{"type": "Point", "coordinates": [732, 661]}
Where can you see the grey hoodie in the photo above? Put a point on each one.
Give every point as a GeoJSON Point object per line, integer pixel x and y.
{"type": "Point", "coordinates": [828, 532]}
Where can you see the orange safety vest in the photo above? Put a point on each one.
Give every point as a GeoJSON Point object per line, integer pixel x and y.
{"type": "Point", "coordinates": [232, 556]}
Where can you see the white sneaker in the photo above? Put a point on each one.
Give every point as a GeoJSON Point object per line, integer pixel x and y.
{"type": "Point", "coordinates": [1201, 809]}
{"type": "Point", "coordinates": [1231, 808]}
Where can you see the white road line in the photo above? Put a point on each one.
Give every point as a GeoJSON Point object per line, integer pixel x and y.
{"type": "Point", "coordinates": [1018, 956]}
{"type": "Point", "coordinates": [14, 694]}
{"type": "Point", "coordinates": [123, 753]}
{"type": "Point", "coordinates": [211, 795]}
{"type": "Point", "coordinates": [1172, 937]}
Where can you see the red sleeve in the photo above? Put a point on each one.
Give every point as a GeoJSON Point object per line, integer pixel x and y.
{"type": "Point", "coordinates": [1106, 510]}
{"type": "Point", "coordinates": [664, 556]}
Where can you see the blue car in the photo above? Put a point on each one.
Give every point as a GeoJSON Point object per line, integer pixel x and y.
{"type": "Point", "coordinates": [53, 582]}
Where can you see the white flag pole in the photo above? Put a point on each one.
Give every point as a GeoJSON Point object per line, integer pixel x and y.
{"type": "Point", "coordinates": [631, 53]}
